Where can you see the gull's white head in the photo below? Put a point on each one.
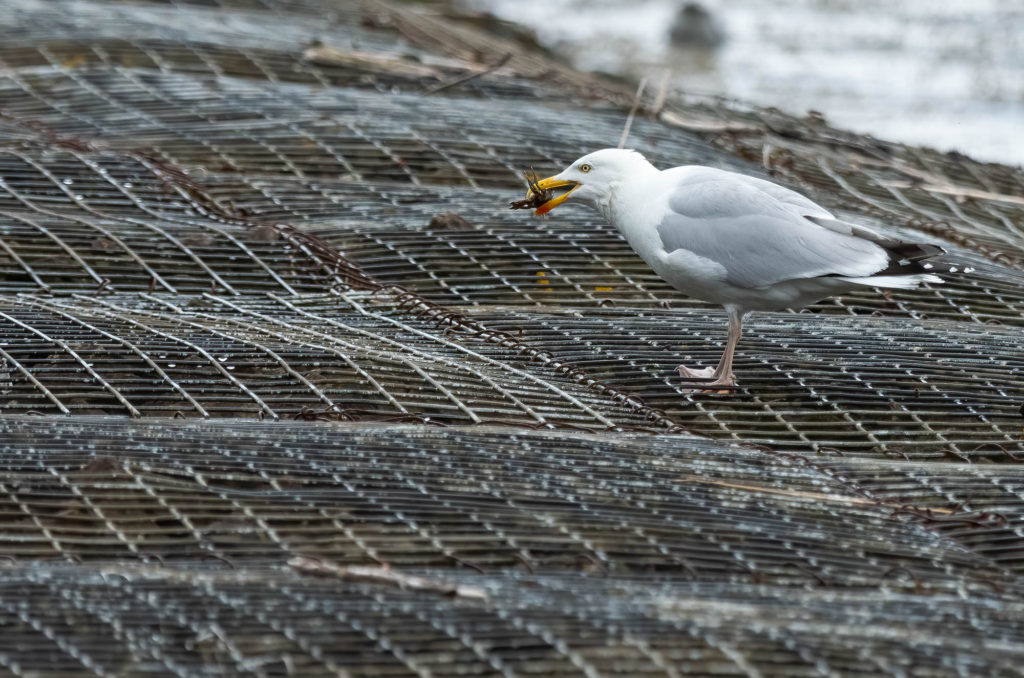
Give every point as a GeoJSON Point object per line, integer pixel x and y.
{"type": "Point", "coordinates": [593, 178]}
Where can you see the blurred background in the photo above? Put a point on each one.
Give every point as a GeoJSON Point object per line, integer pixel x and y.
{"type": "Point", "coordinates": [942, 73]}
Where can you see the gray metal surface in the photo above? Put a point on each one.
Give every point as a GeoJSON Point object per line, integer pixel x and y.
{"type": "Point", "coordinates": [227, 213]}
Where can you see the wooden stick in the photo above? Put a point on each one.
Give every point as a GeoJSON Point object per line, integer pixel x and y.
{"type": "Point", "coordinates": [384, 575]}
{"type": "Point", "coordinates": [843, 499]}
{"type": "Point", "coordinates": [695, 125]}
{"type": "Point", "coordinates": [632, 113]}
{"type": "Point", "coordinates": [659, 100]}
{"type": "Point", "coordinates": [472, 76]}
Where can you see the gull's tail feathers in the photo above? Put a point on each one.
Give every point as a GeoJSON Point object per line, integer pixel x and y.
{"type": "Point", "coordinates": [908, 264]}
{"type": "Point", "coordinates": [902, 282]}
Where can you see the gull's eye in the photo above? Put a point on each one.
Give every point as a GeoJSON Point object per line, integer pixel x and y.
{"type": "Point", "coordinates": [585, 168]}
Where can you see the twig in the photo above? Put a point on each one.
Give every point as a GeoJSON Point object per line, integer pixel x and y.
{"type": "Point", "coordinates": [632, 113]}
{"type": "Point", "coordinates": [808, 495]}
{"type": "Point", "coordinates": [712, 126]}
{"type": "Point", "coordinates": [472, 76]}
{"type": "Point", "coordinates": [384, 575]}
{"type": "Point", "coordinates": [952, 189]}
{"type": "Point", "coordinates": [330, 56]}
{"type": "Point", "coordinates": [659, 99]}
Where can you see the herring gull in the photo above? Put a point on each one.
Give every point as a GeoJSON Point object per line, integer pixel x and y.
{"type": "Point", "coordinates": [735, 240]}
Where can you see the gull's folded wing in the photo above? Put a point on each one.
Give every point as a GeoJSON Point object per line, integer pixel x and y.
{"type": "Point", "coordinates": [757, 238]}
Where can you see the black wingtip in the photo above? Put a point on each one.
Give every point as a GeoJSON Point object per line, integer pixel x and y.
{"type": "Point", "coordinates": [913, 251]}
{"type": "Point", "coordinates": [908, 257]}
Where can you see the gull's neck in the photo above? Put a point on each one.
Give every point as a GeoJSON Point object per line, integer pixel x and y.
{"type": "Point", "coordinates": [629, 192]}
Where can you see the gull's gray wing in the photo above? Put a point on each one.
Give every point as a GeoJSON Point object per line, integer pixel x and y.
{"type": "Point", "coordinates": [758, 239]}
{"type": "Point", "coordinates": [793, 201]}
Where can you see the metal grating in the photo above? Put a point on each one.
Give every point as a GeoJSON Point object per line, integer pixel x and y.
{"type": "Point", "coordinates": [828, 385]}
{"type": "Point", "coordinates": [527, 625]}
{"type": "Point", "coordinates": [409, 497]}
{"type": "Point", "coordinates": [692, 556]}
{"type": "Point", "coordinates": [239, 213]}
{"type": "Point", "coordinates": [279, 358]}
{"type": "Point", "coordinates": [917, 390]}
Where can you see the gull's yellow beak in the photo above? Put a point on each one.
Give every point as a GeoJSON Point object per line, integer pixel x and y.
{"type": "Point", "coordinates": [549, 184]}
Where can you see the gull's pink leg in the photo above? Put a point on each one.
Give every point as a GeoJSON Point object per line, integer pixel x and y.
{"type": "Point", "coordinates": [722, 374]}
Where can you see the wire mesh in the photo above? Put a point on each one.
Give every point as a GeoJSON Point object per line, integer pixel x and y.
{"type": "Point", "coordinates": [697, 557]}
{"type": "Point", "coordinates": [147, 356]}
{"type": "Point", "coordinates": [916, 389]}
{"type": "Point", "coordinates": [279, 219]}
{"type": "Point", "coordinates": [412, 497]}
{"type": "Point", "coordinates": [920, 389]}
{"type": "Point", "coordinates": [527, 625]}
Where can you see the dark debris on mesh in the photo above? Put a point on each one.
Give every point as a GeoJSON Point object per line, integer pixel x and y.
{"type": "Point", "coordinates": [239, 213]}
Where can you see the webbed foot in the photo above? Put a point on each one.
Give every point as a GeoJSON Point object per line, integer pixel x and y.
{"type": "Point", "coordinates": [702, 374]}
{"type": "Point", "coordinates": [705, 380]}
